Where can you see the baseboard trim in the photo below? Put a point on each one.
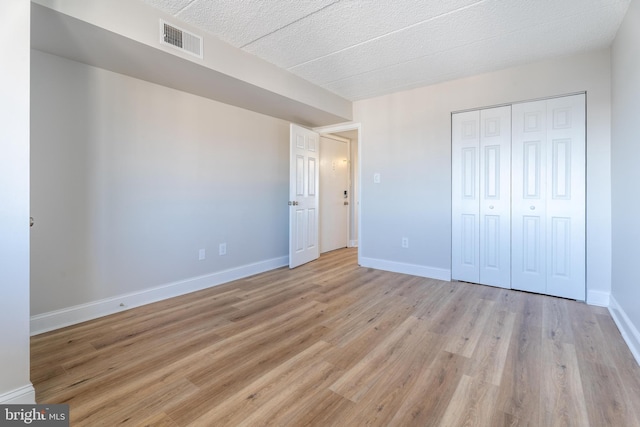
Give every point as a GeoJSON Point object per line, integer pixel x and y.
{"type": "Point", "coordinates": [81, 313]}
{"type": "Point", "coordinates": [24, 395]}
{"type": "Point", "coordinates": [404, 268]}
{"type": "Point", "coordinates": [628, 330]}
{"type": "Point", "coordinates": [598, 298]}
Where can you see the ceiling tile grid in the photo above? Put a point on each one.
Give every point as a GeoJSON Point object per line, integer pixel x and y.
{"type": "Point", "coordinates": [364, 48]}
{"type": "Point", "coordinates": [239, 22]}
{"type": "Point", "coordinates": [490, 54]}
{"type": "Point", "coordinates": [347, 25]}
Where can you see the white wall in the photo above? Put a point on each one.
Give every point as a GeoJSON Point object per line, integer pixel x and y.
{"type": "Point", "coordinates": [625, 177]}
{"type": "Point", "coordinates": [131, 179]}
{"type": "Point", "coordinates": [15, 386]}
{"type": "Point", "coordinates": [407, 139]}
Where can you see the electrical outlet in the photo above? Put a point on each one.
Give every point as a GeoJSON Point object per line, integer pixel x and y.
{"type": "Point", "coordinates": [202, 254]}
{"type": "Point", "coordinates": [222, 249]}
{"type": "Point", "coordinates": [405, 242]}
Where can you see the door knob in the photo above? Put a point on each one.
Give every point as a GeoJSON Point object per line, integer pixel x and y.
{"type": "Point", "coordinates": [30, 221]}
{"type": "Point", "coordinates": [346, 203]}
{"type": "Point", "coordinates": [533, 208]}
{"type": "Point", "coordinates": [491, 207]}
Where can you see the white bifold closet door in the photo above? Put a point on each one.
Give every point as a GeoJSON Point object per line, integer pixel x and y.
{"type": "Point", "coordinates": [548, 199]}
{"type": "Point", "coordinates": [481, 157]}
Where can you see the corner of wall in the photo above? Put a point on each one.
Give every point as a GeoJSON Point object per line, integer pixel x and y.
{"type": "Point", "coordinates": [598, 298]}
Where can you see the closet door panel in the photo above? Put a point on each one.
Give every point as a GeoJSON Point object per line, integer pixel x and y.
{"type": "Point", "coordinates": [548, 204]}
{"type": "Point", "coordinates": [495, 196]}
{"type": "Point", "coordinates": [566, 236]}
{"type": "Point", "coordinates": [465, 193]}
{"type": "Point", "coordinates": [528, 204]}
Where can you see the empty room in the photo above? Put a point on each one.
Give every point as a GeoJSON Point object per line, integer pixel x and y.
{"type": "Point", "coordinates": [331, 212]}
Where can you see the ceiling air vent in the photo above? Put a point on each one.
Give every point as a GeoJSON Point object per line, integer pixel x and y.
{"type": "Point", "coordinates": [180, 39]}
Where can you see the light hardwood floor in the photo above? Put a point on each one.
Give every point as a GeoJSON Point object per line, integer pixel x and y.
{"type": "Point", "coordinates": [334, 344]}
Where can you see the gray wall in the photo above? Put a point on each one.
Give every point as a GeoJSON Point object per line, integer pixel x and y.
{"type": "Point", "coordinates": [406, 137]}
{"type": "Point", "coordinates": [131, 179]}
{"type": "Point", "coordinates": [625, 155]}
{"type": "Point", "coordinates": [14, 203]}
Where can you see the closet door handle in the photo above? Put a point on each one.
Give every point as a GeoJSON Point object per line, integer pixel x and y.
{"type": "Point", "coordinates": [533, 208]}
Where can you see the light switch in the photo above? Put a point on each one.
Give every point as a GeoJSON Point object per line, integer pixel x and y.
{"type": "Point", "coordinates": [376, 178]}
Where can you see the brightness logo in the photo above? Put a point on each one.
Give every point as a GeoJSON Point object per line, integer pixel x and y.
{"type": "Point", "coordinates": [37, 415]}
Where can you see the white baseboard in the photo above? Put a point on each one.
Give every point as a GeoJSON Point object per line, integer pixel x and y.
{"type": "Point", "coordinates": [412, 269]}
{"type": "Point", "coordinates": [24, 395]}
{"type": "Point", "coordinates": [628, 330]}
{"type": "Point", "coordinates": [80, 313]}
{"type": "Point", "coordinates": [598, 298]}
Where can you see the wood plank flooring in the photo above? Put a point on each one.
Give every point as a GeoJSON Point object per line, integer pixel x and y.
{"type": "Point", "coordinates": [334, 344]}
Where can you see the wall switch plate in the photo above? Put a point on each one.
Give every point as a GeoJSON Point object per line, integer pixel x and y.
{"type": "Point", "coordinates": [201, 254]}
{"type": "Point", "coordinates": [405, 242]}
{"type": "Point", "coordinates": [222, 249]}
{"type": "Point", "coordinates": [376, 178]}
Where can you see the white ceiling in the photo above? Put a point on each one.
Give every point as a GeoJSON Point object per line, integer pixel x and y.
{"type": "Point", "coordinates": [364, 48]}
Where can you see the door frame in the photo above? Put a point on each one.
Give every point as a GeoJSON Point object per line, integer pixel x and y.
{"type": "Point", "coordinates": [349, 181]}
{"type": "Point", "coordinates": [342, 127]}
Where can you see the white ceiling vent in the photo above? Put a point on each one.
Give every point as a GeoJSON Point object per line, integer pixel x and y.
{"type": "Point", "coordinates": [180, 39]}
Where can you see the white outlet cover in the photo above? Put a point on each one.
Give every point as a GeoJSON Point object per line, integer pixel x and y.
{"type": "Point", "coordinates": [222, 250]}
{"type": "Point", "coordinates": [202, 254]}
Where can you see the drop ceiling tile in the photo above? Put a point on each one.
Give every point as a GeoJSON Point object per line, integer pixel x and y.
{"type": "Point", "coordinates": [346, 25]}
{"type": "Point", "coordinates": [480, 22]}
{"type": "Point", "coordinates": [241, 22]}
{"type": "Point", "coordinates": [503, 51]}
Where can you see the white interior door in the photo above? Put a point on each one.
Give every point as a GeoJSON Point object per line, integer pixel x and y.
{"type": "Point", "coordinates": [549, 156]}
{"type": "Point", "coordinates": [465, 196]}
{"type": "Point", "coordinates": [303, 196]}
{"type": "Point", "coordinates": [529, 197]}
{"type": "Point", "coordinates": [481, 163]}
{"type": "Point", "coordinates": [495, 197]}
{"type": "Point", "coordinates": [334, 194]}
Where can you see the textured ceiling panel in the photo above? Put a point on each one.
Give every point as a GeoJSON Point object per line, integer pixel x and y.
{"type": "Point", "coordinates": [346, 25]}
{"type": "Point", "coordinates": [492, 54]}
{"type": "Point", "coordinates": [482, 22]}
{"type": "Point", "coordinates": [169, 6]}
{"type": "Point", "coordinates": [239, 22]}
{"type": "Point", "coordinates": [365, 48]}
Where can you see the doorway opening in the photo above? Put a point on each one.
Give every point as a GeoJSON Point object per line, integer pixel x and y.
{"type": "Point", "coordinates": [340, 208]}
